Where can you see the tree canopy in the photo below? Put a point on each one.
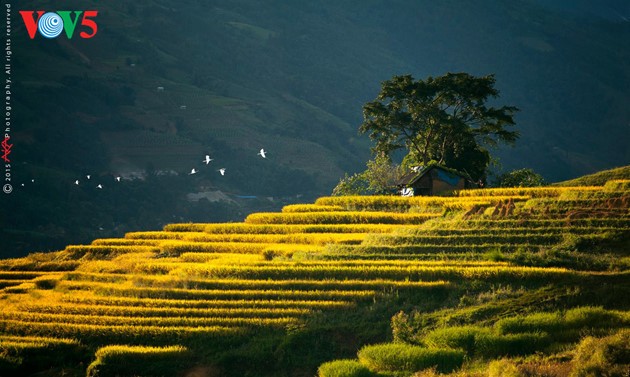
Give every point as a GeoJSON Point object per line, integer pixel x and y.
{"type": "Point", "coordinates": [443, 119]}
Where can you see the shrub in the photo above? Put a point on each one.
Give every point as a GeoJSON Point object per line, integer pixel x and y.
{"type": "Point", "coordinates": [311, 208]}
{"type": "Point", "coordinates": [463, 337]}
{"type": "Point", "coordinates": [398, 357]}
{"type": "Point", "coordinates": [609, 356]}
{"type": "Point", "coordinates": [496, 345]}
{"type": "Point", "coordinates": [565, 325]}
{"type": "Point", "coordinates": [521, 178]}
{"type": "Point", "coordinates": [549, 322]}
{"type": "Point", "coordinates": [503, 368]}
{"type": "Point", "coordinates": [138, 360]}
{"type": "Point", "coordinates": [344, 368]}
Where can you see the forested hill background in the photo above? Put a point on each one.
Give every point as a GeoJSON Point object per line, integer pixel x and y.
{"type": "Point", "coordinates": [165, 82]}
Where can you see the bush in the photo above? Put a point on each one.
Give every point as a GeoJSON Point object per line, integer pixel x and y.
{"type": "Point", "coordinates": [503, 368]}
{"type": "Point", "coordinates": [399, 357]}
{"type": "Point", "coordinates": [609, 356]}
{"type": "Point", "coordinates": [138, 360]}
{"type": "Point", "coordinates": [564, 325]}
{"type": "Point", "coordinates": [344, 368]}
{"type": "Point", "coordinates": [484, 342]}
{"type": "Point", "coordinates": [463, 337]}
{"type": "Point", "coordinates": [495, 345]}
{"type": "Point", "coordinates": [521, 178]}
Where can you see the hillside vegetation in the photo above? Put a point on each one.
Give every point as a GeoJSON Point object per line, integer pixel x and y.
{"type": "Point", "coordinates": [165, 82]}
{"type": "Point", "coordinates": [531, 281]}
{"type": "Point", "coordinates": [599, 178]}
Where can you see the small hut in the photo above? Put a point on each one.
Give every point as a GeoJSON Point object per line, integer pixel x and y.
{"type": "Point", "coordinates": [432, 180]}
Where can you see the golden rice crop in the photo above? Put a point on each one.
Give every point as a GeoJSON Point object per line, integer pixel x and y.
{"type": "Point", "coordinates": [217, 258]}
{"type": "Point", "coordinates": [472, 240]}
{"type": "Point", "coordinates": [527, 223]}
{"type": "Point", "coordinates": [88, 298]}
{"type": "Point", "coordinates": [534, 192]}
{"type": "Point", "coordinates": [245, 228]}
{"type": "Point", "coordinates": [38, 340]}
{"type": "Point", "coordinates": [116, 360]}
{"type": "Point", "coordinates": [185, 227]}
{"type": "Point", "coordinates": [602, 195]}
{"type": "Point", "coordinates": [101, 277]}
{"type": "Point", "coordinates": [20, 275]}
{"type": "Point", "coordinates": [114, 333]}
{"type": "Point", "coordinates": [11, 282]}
{"type": "Point", "coordinates": [288, 250]}
{"type": "Point", "coordinates": [107, 351]}
{"type": "Point", "coordinates": [566, 203]}
{"type": "Point", "coordinates": [367, 271]}
{"type": "Point", "coordinates": [338, 218]}
{"type": "Point", "coordinates": [98, 309]}
{"type": "Point", "coordinates": [132, 322]}
{"type": "Point", "coordinates": [294, 238]}
{"type": "Point", "coordinates": [617, 185]}
{"type": "Point", "coordinates": [457, 231]}
{"type": "Point", "coordinates": [442, 251]}
{"type": "Point", "coordinates": [124, 242]}
{"type": "Point", "coordinates": [212, 294]}
{"type": "Point", "coordinates": [261, 284]}
{"type": "Point", "coordinates": [104, 251]}
{"type": "Point", "coordinates": [311, 208]}
{"type": "Point", "coordinates": [158, 235]}
{"type": "Point", "coordinates": [178, 247]}
{"type": "Point", "coordinates": [404, 204]}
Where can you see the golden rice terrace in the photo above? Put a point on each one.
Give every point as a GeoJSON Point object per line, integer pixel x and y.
{"type": "Point", "coordinates": [517, 279]}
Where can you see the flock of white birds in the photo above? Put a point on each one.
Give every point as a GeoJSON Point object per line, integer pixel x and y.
{"type": "Point", "coordinates": [207, 160]}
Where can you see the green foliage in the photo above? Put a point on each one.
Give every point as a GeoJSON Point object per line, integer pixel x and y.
{"type": "Point", "coordinates": [503, 368]}
{"type": "Point", "coordinates": [379, 178]}
{"type": "Point", "coordinates": [598, 179]}
{"type": "Point", "coordinates": [344, 368]}
{"type": "Point", "coordinates": [392, 357]}
{"type": "Point", "coordinates": [462, 337]}
{"type": "Point", "coordinates": [520, 178]}
{"type": "Point", "coordinates": [609, 356]}
{"type": "Point", "coordinates": [443, 119]}
{"type": "Point", "coordinates": [137, 360]}
{"type": "Point", "coordinates": [566, 325]}
{"type": "Point", "coordinates": [355, 184]}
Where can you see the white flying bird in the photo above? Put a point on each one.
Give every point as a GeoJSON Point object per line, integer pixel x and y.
{"type": "Point", "coordinates": [88, 176]}
{"type": "Point", "coordinates": [76, 182]}
{"type": "Point", "coordinates": [99, 186]}
{"type": "Point", "coordinates": [207, 160]}
{"type": "Point", "coordinates": [262, 153]}
{"type": "Point", "coordinates": [117, 179]}
{"type": "Point", "coordinates": [222, 171]}
{"type": "Point", "coordinates": [193, 171]}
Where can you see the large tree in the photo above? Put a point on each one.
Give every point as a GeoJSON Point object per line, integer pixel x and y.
{"type": "Point", "coordinates": [443, 119]}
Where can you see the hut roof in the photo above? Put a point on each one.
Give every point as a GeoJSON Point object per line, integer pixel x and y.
{"type": "Point", "coordinates": [413, 176]}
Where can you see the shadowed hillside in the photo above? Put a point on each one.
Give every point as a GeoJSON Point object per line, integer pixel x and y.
{"type": "Point", "coordinates": [163, 83]}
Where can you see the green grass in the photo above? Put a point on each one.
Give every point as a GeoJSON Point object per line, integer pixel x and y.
{"type": "Point", "coordinates": [599, 178]}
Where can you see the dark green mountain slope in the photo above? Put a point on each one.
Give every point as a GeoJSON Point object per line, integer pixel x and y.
{"type": "Point", "coordinates": [164, 82]}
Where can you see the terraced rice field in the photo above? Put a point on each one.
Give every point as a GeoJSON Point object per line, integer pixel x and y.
{"type": "Point", "coordinates": [286, 272]}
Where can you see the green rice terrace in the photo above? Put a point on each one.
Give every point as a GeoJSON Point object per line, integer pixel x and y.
{"type": "Point", "coordinates": [487, 282]}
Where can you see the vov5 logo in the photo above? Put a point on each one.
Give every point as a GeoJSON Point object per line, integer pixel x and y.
{"type": "Point", "coordinates": [51, 24]}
